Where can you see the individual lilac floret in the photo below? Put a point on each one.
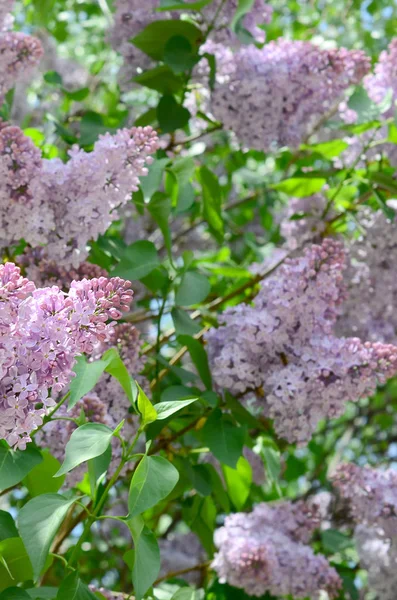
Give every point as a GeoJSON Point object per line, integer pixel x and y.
{"type": "Point", "coordinates": [260, 553]}
{"type": "Point", "coordinates": [372, 283]}
{"type": "Point", "coordinates": [107, 403]}
{"type": "Point", "coordinates": [276, 94]}
{"type": "Point", "coordinates": [41, 333]}
{"type": "Point", "coordinates": [65, 205]}
{"type": "Point", "coordinates": [282, 350]}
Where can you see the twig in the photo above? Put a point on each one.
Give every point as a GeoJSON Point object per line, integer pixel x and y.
{"type": "Point", "coordinates": [201, 567]}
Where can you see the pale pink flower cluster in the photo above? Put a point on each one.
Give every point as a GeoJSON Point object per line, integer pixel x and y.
{"type": "Point", "coordinates": [372, 285]}
{"type": "Point", "coordinates": [267, 550]}
{"type": "Point", "coordinates": [41, 333]}
{"type": "Point", "coordinates": [65, 205]}
{"type": "Point", "coordinates": [370, 496]}
{"type": "Point", "coordinates": [19, 53]}
{"type": "Point", "coordinates": [106, 404]}
{"type": "Point", "coordinates": [276, 94]}
{"type": "Point", "coordinates": [283, 350]}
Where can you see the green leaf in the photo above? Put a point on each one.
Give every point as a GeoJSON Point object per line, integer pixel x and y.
{"type": "Point", "coordinates": [86, 442]}
{"type": "Point", "coordinates": [381, 201]}
{"type": "Point", "coordinates": [272, 462]}
{"type": "Point", "coordinates": [300, 186]}
{"type": "Point", "coordinates": [179, 54]}
{"type": "Point", "coordinates": [199, 357]}
{"type": "Point", "coordinates": [151, 183]}
{"type": "Point", "coordinates": [38, 522]}
{"type": "Point", "coordinates": [238, 482]}
{"type": "Point", "coordinates": [335, 541]}
{"type": "Point", "coordinates": [193, 289]}
{"type": "Point", "coordinates": [171, 115]}
{"type": "Point", "coordinates": [72, 588]}
{"type": "Point", "coordinates": [188, 593]}
{"type": "Point", "coordinates": [153, 480]}
{"type": "Point", "coordinates": [117, 369]}
{"type": "Point", "coordinates": [166, 409]}
{"type": "Point", "coordinates": [147, 411]}
{"type": "Point", "coordinates": [15, 593]}
{"type": "Point", "coordinates": [146, 556]}
{"type": "Point", "coordinates": [224, 438]}
{"type": "Point", "coordinates": [41, 479]}
{"type": "Point", "coordinates": [183, 324]}
{"type": "Point", "coordinates": [243, 7]}
{"type": "Point", "coordinates": [16, 464]}
{"type": "Point", "coordinates": [385, 181]}
{"type": "Point", "coordinates": [87, 376]}
{"type": "Point", "coordinates": [154, 38]}
{"type": "Point", "coordinates": [140, 258]}
{"type": "Point", "coordinates": [15, 565]}
{"type": "Point", "coordinates": [43, 593]}
{"type": "Point", "coordinates": [212, 201]}
{"type": "Point", "coordinates": [162, 79]}
{"type": "Point", "coordinates": [97, 468]}
{"type": "Point", "coordinates": [7, 526]}
{"type": "Point", "coordinates": [53, 77]}
{"type": "Point", "coordinates": [366, 109]}
{"type": "Point", "coordinates": [160, 209]}
{"type": "Point", "coordinates": [328, 149]}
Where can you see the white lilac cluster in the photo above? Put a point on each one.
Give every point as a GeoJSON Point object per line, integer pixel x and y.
{"type": "Point", "coordinates": [19, 53]}
{"type": "Point", "coordinates": [65, 205]}
{"type": "Point", "coordinates": [106, 404]}
{"type": "Point", "coordinates": [371, 499]}
{"type": "Point", "coordinates": [275, 95]}
{"type": "Point", "coordinates": [267, 551]}
{"type": "Point", "coordinates": [283, 350]}
{"type": "Point", "coordinates": [302, 222]}
{"type": "Point", "coordinates": [372, 285]}
{"type": "Point", "coordinates": [181, 551]}
{"type": "Point", "coordinates": [41, 333]}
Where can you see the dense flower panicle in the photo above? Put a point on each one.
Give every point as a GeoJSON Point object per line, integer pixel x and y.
{"type": "Point", "coordinates": [64, 205]}
{"type": "Point", "coordinates": [372, 284]}
{"type": "Point", "coordinates": [107, 403]}
{"type": "Point", "coordinates": [378, 555]}
{"type": "Point", "coordinates": [259, 553]}
{"type": "Point", "coordinates": [41, 332]}
{"type": "Point", "coordinates": [384, 78]}
{"type": "Point", "coordinates": [6, 8]}
{"type": "Point", "coordinates": [45, 272]}
{"type": "Point", "coordinates": [182, 551]}
{"type": "Point", "coordinates": [283, 350]}
{"type": "Point", "coordinates": [275, 94]}
{"type": "Point", "coordinates": [19, 54]}
{"type": "Point", "coordinates": [370, 494]}
{"type": "Point", "coordinates": [298, 231]}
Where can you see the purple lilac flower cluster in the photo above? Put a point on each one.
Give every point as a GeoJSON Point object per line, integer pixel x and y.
{"type": "Point", "coordinates": [19, 53]}
{"type": "Point", "coordinates": [283, 350]}
{"type": "Point", "coordinates": [274, 95]}
{"type": "Point", "coordinates": [310, 225]}
{"type": "Point", "coordinates": [371, 498]}
{"type": "Point", "coordinates": [42, 200]}
{"type": "Point", "coordinates": [267, 551]}
{"type": "Point", "coordinates": [42, 331]}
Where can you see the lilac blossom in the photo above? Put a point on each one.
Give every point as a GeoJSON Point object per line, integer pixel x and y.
{"type": "Point", "coordinates": [42, 331]}
{"type": "Point", "coordinates": [65, 205]}
{"type": "Point", "coordinates": [283, 350]}
{"type": "Point", "coordinates": [181, 551]}
{"type": "Point", "coordinates": [298, 231]}
{"type": "Point", "coordinates": [384, 79]}
{"type": "Point", "coordinates": [267, 551]}
{"type": "Point", "coordinates": [275, 95]}
{"type": "Point", "coordinates": [19, 53]}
